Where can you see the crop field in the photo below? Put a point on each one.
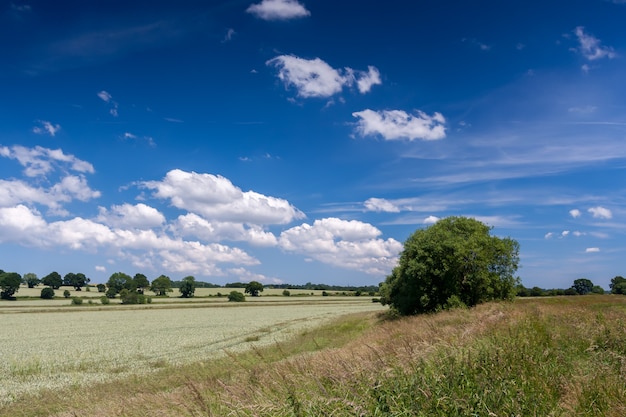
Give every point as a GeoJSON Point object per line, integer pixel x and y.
{"type": "Point", "coordinates": [59, 347]}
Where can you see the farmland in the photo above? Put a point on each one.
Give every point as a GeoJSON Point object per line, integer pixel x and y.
{"type": "Point", "coordinates": [48, 344]}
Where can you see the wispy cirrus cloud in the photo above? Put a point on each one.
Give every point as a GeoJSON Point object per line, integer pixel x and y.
{"type": "Point", "coordinates": [108, 98]}
{"type": "Point", "coordinates": [278, 10]}
{"type": "Point", "coordinates": [590, 47]}
{"type": "Point", "coordinates": [316, 78]}
{"type": "Point", "coordinates": [398, 124]}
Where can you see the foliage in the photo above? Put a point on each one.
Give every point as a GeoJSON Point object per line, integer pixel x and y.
{"type": "Point", "coordinates": [119, 281]}
{"type": "Point", "coordinates": [236, 296]}
{"type": "Point", "coordinates": [77, 301]}
{"type": "Point", "coordinates": [161, 285]}
{"type": "Point", "coordinates": [286, 293]}
{"type": "Point", "coordinates": [618, 285]}
{"type": "Point", "coordinates": [9, 284]}
{"type": "Point", "coordinates": [132, 297]}
{"type": "Point", "coordinates": [582, 286]}
{"type": "Point", "coordinates": [456, 256]}
{"type": "Point", "coordinates": [254, 288]}
{"type": "Point", "coordinates": [141, 283]}
{"type": "Point", "coordinates": [104, 300]}
{"type": "Point", "coordinates": [188, 287]}
{"type": "Point", "coordinates": [53, 279]}
{"type": "Point", "coordinates": [101, 287]}
{"type": "Point", "coordinates": [66, 294]}
{"type": "Point", "coordinates": [31, 280]}
{"type": "Point", "coordinates": [597, 290]}
{"type": "Point", "coordinates": [77, 281]}
{"type": "Point", "coordinates": [47, 293]}
{"type": "Point", "coordinates": [110, 293]}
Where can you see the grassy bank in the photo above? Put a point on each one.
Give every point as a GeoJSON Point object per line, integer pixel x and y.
{"type": "Point", "coordinates": [534, 357]}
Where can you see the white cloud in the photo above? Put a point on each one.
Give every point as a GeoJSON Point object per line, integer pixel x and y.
{"type": "Point", "coordinates": [40, 161]}
{"type": "Point", "coordinates": [245, 275]}
{"type": "Point", "coordinates": [229, 35]}
{"type": "Point", "coordinates": [216, 198]}
{"type": "Point", "coordinates": [600, 212]}
{"type": "Point", "coordinates": [381, 204]}
{"type": "Point", "coordinates": [108, 98]}
{"type": "Point", "coordinates": [565, 233]}
{"type": "Point", "coordinates": [590, 47]}
{"type": "Point", "coordinates": [278, 10]}
{"type": "Point", "coordinates": [583, 110]}
{"type": "Point", "coordinates": [315, 78]}
{"type": "Point", "coordinates": [431, 220]}
{"type": "Point", "coordinates": [397, 124]}
{"type": "Point", "coordinates": [100, 268]}
{"type": "Point", "coordinates": [46, 127]}
{"type": "Point", "coordinates": [575, 213]}
{"type": "Point", "coordinates": [144, 248]}
{"type": "Point", "coordinates": [592, 250]}
{"type": "Point", "coordinates": [139, 216]}
{"type": "Point", "coordinates": [367, 80]}
{"type": "Point", "coordinates": [548, 235]}
{"type": "Point", "coordinates": [346, 244]}
{"type": "Point", "coordinates": [192, 225]}
{"type": "Point", "coordinates": [578, 233]}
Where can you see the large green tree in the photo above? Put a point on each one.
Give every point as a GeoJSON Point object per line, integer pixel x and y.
{"type": "Point", "coordinates": [77, 281]}
{"type": "Point", "coordinates": [161, 285]}
{"type": "Point", "coordinates": [582, 286]}
{"type": "Point", "coordinates": [456, 260]}
{"type": "Point", "coordinates": [187, 287]}
{"type": "Point", "coordinates": [618, 285]}
{"type": "Point", "coordinates": [117, 282]}
{"type": "Point", "coordinates": [53, 280]}
{"type": "Point", "coordinates": [9, 284]}
{"type": "Point", "coordinates": [254, 288]}
{"type": "Point", "coordinates": [31, 279]}
{"type": "Point", "coordinates": [141, 283]}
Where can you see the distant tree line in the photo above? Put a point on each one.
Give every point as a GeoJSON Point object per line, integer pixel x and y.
{"type": "Point", "coordinates": [581, 286]}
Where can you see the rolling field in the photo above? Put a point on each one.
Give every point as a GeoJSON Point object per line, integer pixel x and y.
{"type": "Point", "coordinates": [57, 347]}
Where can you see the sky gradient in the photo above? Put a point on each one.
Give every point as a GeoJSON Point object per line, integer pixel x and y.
{"type": "Point", "coordinates": [304, 141]}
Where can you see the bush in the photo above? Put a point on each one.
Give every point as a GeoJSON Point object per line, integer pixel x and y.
{"type": "Point", "coordinates": [236, 296]}
{"type": "Point", "coordinates": [101, 287]}
{"type": "Point", "coordinates": [77, 301]}
{"type": "Point", "coordinates": [324, 294]}
{"type": "Point", "coordinates": [66, 294]}
{"type": "Point", "coordinates": [286, 293]}
{"type": "Point", "coordinates": [105, 300]}
{"type": "Point", "coordinates": [47, 293]}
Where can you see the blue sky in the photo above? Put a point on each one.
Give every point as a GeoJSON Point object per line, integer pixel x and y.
{"type": "Point", "coordinates": [294, 141]}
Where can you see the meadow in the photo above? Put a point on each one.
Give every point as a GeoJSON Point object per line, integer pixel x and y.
{"type": "Point", "coordinates": [548, 356]}
{"type": "Point", "coordinates": [49, 346]}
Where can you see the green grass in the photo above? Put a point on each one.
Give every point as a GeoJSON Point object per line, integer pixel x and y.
{"type": "Point", "coordinates": [561, 356]}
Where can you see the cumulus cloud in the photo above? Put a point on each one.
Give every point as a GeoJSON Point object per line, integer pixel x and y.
{"type": "Point", "coordinates": [46, 127]}
{"type": "Point", "coordinates": [548, 235]}
{"type": "Point", "coordinates": [592, 250]}
{"type": "Point", "coordinates": [565, 233]}
{"type": "Point", "coordinates": [431, 220]}
{"type": "Point", "coordinates": [245, 275]}
{"type": "Point", "coordinates": [100, 268]}
{"type": "Point", "coordinates": [346, 244]}
{"type": "Point", "coordinates": [367, 80]}
{"type": "Point", "coordinates": [575, 213]}
{"type": "Point", "coordinates": [381, 204]}
{"type": "Point", "coordinates": [600, 212]}
{"type": "Point", "coordinates": [40, 161]}
{"type": "Point", "coordinates": [590, 47]}
{"type": "Point", "coordinates": [192, 225]}
{"type": "Point", "coordinates": [216, 198]}
{"type": "Point", "coordinates": [398, 124]}
{"type": "Point", "coordinates": [278, 10]}
{"type": "Point", "coordinates": [315, 78]}
{"type": "Point", "coordinates": [144, 248]}
{"type": "Point", "coordinates": [139, 216]}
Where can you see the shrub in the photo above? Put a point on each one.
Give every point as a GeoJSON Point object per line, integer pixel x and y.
{"type": "Point", "coordinates": [236, 296]}
{"type": "Point", "coordinates": [105, 300]}
{"type": "Point", "coordinates": [101, 287]}
{"type": "Point", "coordinates": [77, 301]}
{"type": "Point", "coordinates": [47, 293]}
{"type": "Point", "coordinates": [324, 294]}
{"type": "Point", "coordinates": [286, 293]}
{"type": "Point", "coordinates": [66, 294]}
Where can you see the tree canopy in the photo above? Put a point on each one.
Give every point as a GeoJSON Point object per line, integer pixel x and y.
{"type": "Point", "coordinates": [161, 285]}
{"type": "Point", "coordinates": [454, 261]}
{"type": "Point", "coordinates": [9, 284]}
{"type": "Point", "coordinates": [254, 288]}
{"type": "Point", "coordinates": [53, 280]}
{"type": "Point", "coordinates": [618, 285]}
{"type": "Point", "coordinates": [583, 286]}
{"type": "Point", "coordinates": [188, 287]}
